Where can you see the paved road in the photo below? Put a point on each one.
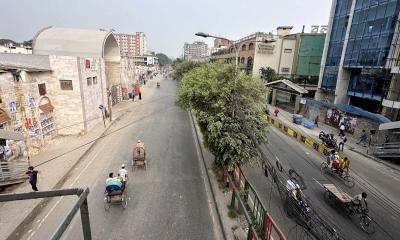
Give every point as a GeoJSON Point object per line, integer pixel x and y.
{"type": "Point", "coordinates": [380, 182]}
{"type": "Point", "coordinates": [167, 201]}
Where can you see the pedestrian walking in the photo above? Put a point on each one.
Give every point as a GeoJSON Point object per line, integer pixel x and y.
{"type": "Point", "coordinates": [342, 127]}
{"type": "Point", "coordinates": [316, 120]}
{"type": "Point", "coordinates": [276, 111]}
{"type": "Point", "coordinates": [363, 138]}
{"type": "Point", "coordinates": [32, 173]}
{"type": "Point", "coordinates": [387, 139]}
{"type": "Point", "coordinates": [133, 93]}
{"type": "Point", "coordinates": [342, 142]}
{"type": "Point", "coordinates": [138, 91]}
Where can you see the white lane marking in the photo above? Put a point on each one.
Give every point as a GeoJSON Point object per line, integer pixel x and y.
{"type": "Point", "coordinates": [277, 158]}
{"type": "Point", "coordinates": [61, 198]}
{"type": "Point", "coordinates": [307, 153]}
{"type": "Point", "coordinates": [317, 182]}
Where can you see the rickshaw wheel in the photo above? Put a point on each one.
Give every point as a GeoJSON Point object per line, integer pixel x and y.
{"type": "Point", "coordinates": [324, 167]}
{"type": "Point", "coordinates": [349, 181]}
{"type": "Point", "coordinates": [367, 225]}
{"type": "Point", "coordinates": [329, 197]}
{"type": "Point", "coordinates": [124, 200]}
{"type": "Point", "coordinates": [107, 202]}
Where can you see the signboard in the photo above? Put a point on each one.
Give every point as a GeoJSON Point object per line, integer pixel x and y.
{"type": "Point", "coordinates": [266, 48]}
{"type": "Point", "coordinates": [309, 142]}
{"type": "Point", "coordinates": [87, 63]}
{"type": "Point", "coordinates": [31, 102]}
{"type": "Point", "coordinates": [319, 29]}
{"type": "Point", "coordinates": [13, 106]}
{"type": "Point", "coordinates": [303, 101]}
{"type": "Point", "coordinates": [290, 132]}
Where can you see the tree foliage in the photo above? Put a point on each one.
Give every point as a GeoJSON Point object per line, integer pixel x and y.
{"type": "Point", "coordinates": [183, 66]}
{"type": "Point", "coordinates": [163, 59]}
{"type": "Point", "coordinates": [207, 91]}
{"type": "Point", "coordinates": [268, 74]}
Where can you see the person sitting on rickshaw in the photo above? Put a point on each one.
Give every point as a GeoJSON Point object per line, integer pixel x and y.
{"type": "Point", "coordinates": [344, 165]}
{"type": "Point", "coordinates": [140, 145]}
{"type": "Point", "coordinates": [334, 160]}
{"type": "Point", "coordinates": [123, 173]}
{"type": "Point", "coordinates": [360, 202]}
{"type": "Point", "coordinates": [113, 184]}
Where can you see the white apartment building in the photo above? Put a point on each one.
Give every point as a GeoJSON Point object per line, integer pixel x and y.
{"type": "Point", "coordinates": [18, 49]}
{"type": "Point", "coordinates": [126, 43]}
{"type": "Point", "coordinates": [140, 44]}
{"type": "Point", "coordinates": [195, 51]}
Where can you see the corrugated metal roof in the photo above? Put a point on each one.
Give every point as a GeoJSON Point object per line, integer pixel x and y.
{"type": "Point", "coordinates": [291, 84]}
{"type": "Point", "coordinates": [76, 42]}
{"type": "Point", "coordinates": [28, 62]}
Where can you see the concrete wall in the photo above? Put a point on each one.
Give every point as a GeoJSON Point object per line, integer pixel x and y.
{"type": "Point", "coordinates": [113, 73]}
{"type": "Point", "coordinates": [286, 58]}
{"type": "Point", "coordinates": [67, 103]}
{"type": "Point", "coordinates": [267, 58]}
{"type": "Point", "coordinates": [92, 93]}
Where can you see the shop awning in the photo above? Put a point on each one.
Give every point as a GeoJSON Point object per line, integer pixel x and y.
{"type": "Point", "coordinates": [390, 125]}
{"type": "Point", "coordinates": [11, 135]}
{"type": "Point", "coordinates": [47, 107]}
{"type": "Point", "coordinates": [4, 117]}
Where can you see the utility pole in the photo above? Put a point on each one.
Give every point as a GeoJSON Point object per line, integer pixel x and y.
{"type": "Point", "coordinates": [109, 103]}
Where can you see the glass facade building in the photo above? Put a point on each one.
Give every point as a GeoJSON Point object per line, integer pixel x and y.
{"type": "Point", "coordinates": [336, 42]}
{"type": "Point", "coordinates": [370, 37]}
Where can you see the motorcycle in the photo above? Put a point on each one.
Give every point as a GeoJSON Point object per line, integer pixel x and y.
{"type": "Point", "coordinates": [328, 140]}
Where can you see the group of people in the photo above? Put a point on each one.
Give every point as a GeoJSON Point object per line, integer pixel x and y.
{"type": "Point", "coordinates": [337, 163]}
{"type": "Point", "coordinates": [117, 183]}
{"type": "Point", "coordinates": [136, 92]}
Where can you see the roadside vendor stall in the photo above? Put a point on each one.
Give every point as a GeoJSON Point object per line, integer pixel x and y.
{"type": "Point", "coordinates": [13, 157]}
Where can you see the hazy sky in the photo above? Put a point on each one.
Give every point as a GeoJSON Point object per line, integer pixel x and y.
{"type": "Point", "coordinates": [167, 23]}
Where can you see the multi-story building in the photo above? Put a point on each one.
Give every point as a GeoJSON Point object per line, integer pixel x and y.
{"type": "Point", "coordinates": [140, 44]}
{"type": "Point", "coordinates": [196, 51]}
{"type": "Point", "coordinates": [259, 50]}
{"type": "Point", "coordinates": [126, 43]}
{"type": "Point", "coordinates": [355, 67]}
{"type": "Point", "coordinates": [11, 48]}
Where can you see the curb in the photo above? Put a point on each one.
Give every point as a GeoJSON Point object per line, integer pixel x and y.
{"type": "Point", "coordinates": [194, 124]}
{"type": "Point", "coordinates": [28, 220]}
{"type": "Point", "coordinates": [375, 159]}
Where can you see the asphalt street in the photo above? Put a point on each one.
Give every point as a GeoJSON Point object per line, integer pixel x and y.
{"type": "Point", "coordinates": [380, 182]}
{"type": "Point", "coordinates": [167, 201]}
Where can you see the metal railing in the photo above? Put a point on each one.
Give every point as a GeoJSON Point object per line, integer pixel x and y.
{"type": "Point", "coordinates": [246, 199]}
{"type": "Point", "coordinates": [81, 204]}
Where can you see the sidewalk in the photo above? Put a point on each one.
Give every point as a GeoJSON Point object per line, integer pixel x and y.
{"type": "Point", "coordinates": [350, 145]}
{"type": "Point", "coordinates": [54, 164]}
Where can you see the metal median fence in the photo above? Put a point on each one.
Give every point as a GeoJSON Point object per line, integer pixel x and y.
{"type": "Point", "coordinates": [244, 197]}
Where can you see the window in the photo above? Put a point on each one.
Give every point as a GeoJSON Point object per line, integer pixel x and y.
{"type": "Point", "coordinates": [94, 80]}
{"type": "Point", "coordinates": [89, 81]}
{"type": "Point", "coordinates": [244, 47]}
{"type": "Point", "coordinates": [66, 84]}
{"type": "Point", "coordinates": [251, 46]}
{"type": "Point", "coordinates": [42, 89]}
{"type": "Point", "coordinates": [287, 50]}
{"type": "Point", "coordinates": [285, 70]}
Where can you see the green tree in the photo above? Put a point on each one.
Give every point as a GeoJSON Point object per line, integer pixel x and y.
{"type": "Point", "coordinates": [268, 74]}
{"type": "Point", "coordinates": [182, 66]}
{"type": "Point", "coordinates": [207, 91]}
{"type": "Point", "coordinates": [163, 59]}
